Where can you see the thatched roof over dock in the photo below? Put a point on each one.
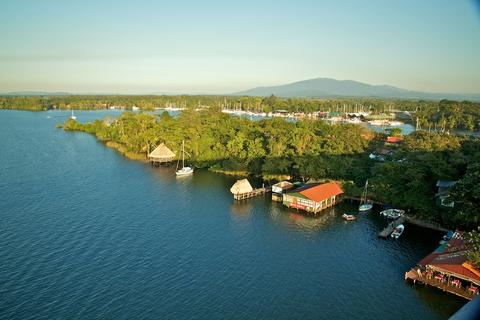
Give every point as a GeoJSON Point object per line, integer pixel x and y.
{"type": "Point", "coordinates": [162, 153]}
{"type": "Point", "coordinates": [241, 186]}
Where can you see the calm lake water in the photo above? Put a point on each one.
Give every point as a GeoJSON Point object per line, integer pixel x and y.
{"type": "Point", "coordinates": [89, 234]}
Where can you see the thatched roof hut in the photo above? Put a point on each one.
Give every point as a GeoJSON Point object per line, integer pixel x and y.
{"type": "Point", "coordinates": [161, 154]}
{"type": "Point", "coordinates": [241, 186]}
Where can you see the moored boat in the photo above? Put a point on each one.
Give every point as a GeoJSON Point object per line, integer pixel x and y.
{"type": "Point", "coordinates": [349, 217]}
{"type": "Point", "coordinates": [392, 213]}
{"type": "Point", "coordinates": [186, 170]}
{"type": "Point", "coordinates": [397, 232]}
{"type": "Point", "coordinates": [365, 204]}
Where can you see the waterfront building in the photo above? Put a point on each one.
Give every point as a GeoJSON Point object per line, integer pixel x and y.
{"type": "Point", "coordinates": [278, 189]}
{"type": "Point", "coordinates": [313, 197]}
{"type": "Point", "coordinates": [443, 193]}
{"type": "Point", "coordinates": [447, 268]}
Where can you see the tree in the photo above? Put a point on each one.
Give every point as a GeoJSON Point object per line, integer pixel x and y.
{"type": "Point", "coordinates": [466, 194]}
{"type": "Point", "coordinates": [396, 132]}
{"type": "Point", "coordinates": [473, 244]}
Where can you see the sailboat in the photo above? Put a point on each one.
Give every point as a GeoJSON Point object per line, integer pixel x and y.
{"type": "Point", "coordinates": [365, 205]}
{"type": "Point", "coordinates": [73, 117]}
{"type": "Point", "coordinates": [185, 170]}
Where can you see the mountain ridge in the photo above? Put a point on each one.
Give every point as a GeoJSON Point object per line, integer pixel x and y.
{"type": "Point", "coordinates": [332, 88]}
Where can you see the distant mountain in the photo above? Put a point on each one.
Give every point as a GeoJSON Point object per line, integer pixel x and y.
{"type": "Point", "coordinates": [326, 87]}
{"type": "Point", "coordinates": [34, 93]}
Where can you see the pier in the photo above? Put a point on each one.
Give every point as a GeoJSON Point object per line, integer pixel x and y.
{"type": "Point", "coordinates": [446, 286]}
{"type": "Point", "coordinates": [251, 194]}
{"type": "Point", "coordinates": [391, 226]}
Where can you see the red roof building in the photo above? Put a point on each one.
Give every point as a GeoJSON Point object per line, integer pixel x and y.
{"type": "Point", "coordinates": [394, 140]}
{"type": "Point", "coordinates": [447, 268]}
{"type": "Point", "coordinates": [313, 198]}
{"type": "Point", "coordinates": [450, 258]}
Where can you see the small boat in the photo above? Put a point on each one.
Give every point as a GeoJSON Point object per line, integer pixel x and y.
{"type": "Point", "coordinates": [365, 204]}
{"type": "Point", "coordinates": [392, 213]}
{"type": "Point", "coordinates": [185, 170]}
{"type": "Point", "coordinates": [397, 232]}
{"type": "Point", "coordinates": [73, 117]}
{"type": "Point", "coordinates": [349, 217]}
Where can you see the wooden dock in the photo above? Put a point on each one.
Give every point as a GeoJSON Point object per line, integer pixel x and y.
{"type": "Point", "coordinates": [391, 226]}
{"type": "Point", "coordinates": [251, 194]}
{"type": "Point", "coordinates": [356, 199]}
{"type": "Point", "coordinates": [445, 286]}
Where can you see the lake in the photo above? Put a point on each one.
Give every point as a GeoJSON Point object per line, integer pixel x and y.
{"type": "Point", "coordinates": [87, 233]}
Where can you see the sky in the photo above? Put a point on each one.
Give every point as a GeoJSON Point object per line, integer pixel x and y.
{"type": "Point", "coordinates": [186, 46]}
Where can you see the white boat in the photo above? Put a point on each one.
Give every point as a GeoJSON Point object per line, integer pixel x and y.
{"type": "Point", "coordinates": [365, 204]}
{"type": "Point", "coordinates": [73, 117]}
{"type": "Point", "coordinates": [353, 121]}
{"type": "Point", "coordinates": [397, 232]}
{"type": "Point", "coordinates": [392, 213]}
{"type": "Point", "coordinates": [349, 217]}
{"type": "Point", "coordinates": [185, 170]}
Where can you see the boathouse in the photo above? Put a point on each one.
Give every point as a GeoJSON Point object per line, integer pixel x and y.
{"type": "Point", "coordinates": [447, 268]}
{"type": "Point", "coordinates": [161, 154]}
{"type": "Point", "coordinates": [313, 197]}
{"type": "Point", "coordinates": [278, 189]}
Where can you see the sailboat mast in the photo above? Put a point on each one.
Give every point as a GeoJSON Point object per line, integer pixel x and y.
{"type": "Point", "coordinates": [183, 153]}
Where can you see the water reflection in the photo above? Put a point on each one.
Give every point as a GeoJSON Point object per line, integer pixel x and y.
{"type": "Point", "coordinates": [299, 219]}
{"type": "Point", "coordinates": [242, 210]}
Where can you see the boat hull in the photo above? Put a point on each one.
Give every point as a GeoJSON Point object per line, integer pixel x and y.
{"type": "Point", "coordinates": [184, 172]}
{"type": "Point", "coordinates": [398, 231]}
{"type": "Point", "coordinates": [365, 207]}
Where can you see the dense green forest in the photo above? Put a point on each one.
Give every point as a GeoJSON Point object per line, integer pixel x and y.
{"type": "Point", "coordinates": [441, 115]}
{"type": "Point", "coordinates": [313, 150]}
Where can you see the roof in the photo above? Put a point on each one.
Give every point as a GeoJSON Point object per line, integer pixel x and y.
{"type": "Point", "coordinates": [445, 183]}
{"type": "Point", "coordinates": [161, 151]}
{"type": "Point", "coordinates": [321, 192]}
{"type": "Point", "coordinates": [283, 184]}
{"type": "Point", "coordinates": [394, 139]}
{"type": "Point", "coordinates": [241, 186]}
{"type": "Point", "coordinates": [451, 258]}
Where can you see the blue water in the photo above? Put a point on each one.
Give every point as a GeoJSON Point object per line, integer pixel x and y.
{"type": "Point", "coordinates": [86, 233]}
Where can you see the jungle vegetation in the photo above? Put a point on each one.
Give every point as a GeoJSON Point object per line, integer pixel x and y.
{"type": "Point", "coordinates": [314, 151]}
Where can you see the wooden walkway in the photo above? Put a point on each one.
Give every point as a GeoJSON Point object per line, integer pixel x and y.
{"type": "Point", "coordinates": [358, 200]}
{"type": "Point", "coordinates": [459, 291]}
{"type": "Point", "coordinates": [251, 194]}
{"type": "Point", "coordinates": [391, 226]}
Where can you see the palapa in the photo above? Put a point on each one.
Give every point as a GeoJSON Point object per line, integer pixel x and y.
{"type": "Point", "coordinates": [241, 186]}
{"type": "Point", "coordinates": [162, 154]}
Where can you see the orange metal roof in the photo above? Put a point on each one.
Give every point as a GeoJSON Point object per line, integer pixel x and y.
{"type": "Point", "coordinates": [394, 139]}
{"type": "Point", "coordinates": [452, 259]}
{"type": "Point", "coordinates": [322, 191]}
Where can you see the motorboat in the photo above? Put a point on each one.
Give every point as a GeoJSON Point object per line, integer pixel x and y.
{"type": "Point", "coordinates": [349, 217]}
{"type": "Point", "coordinates": [392, 213]}
{"type": "Point", "coordinates": [397, 232]}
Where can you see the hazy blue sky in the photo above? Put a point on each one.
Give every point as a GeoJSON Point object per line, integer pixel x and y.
{"type": "Point", "coordinates": [224, 46]}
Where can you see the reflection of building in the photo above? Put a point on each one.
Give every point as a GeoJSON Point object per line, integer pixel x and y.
{"type": "Point", "coordinates": [313, 197]}
{"type": "Point", "coordinates": [447, 268]}
{"type": "Point", "coordinates": [443, 193]}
